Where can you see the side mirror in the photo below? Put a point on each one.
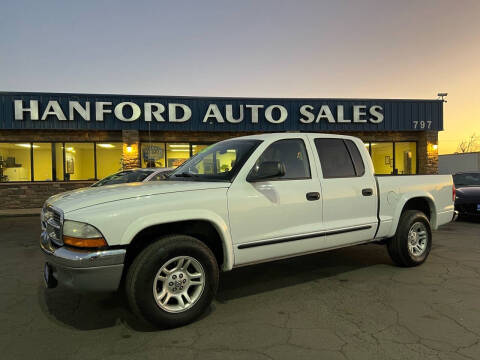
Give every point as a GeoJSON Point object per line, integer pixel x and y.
{"type": "Point", "coordinates": [266, 170]}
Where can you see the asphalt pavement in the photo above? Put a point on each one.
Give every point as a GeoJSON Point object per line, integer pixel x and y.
{"type": "Point", "coordinates": [351, 303]}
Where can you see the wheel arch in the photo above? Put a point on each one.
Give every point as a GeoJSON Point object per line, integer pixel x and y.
{"type": "Point", "coordinates": [211, 230]}
{"type": "Point", "coordinates": [423, 202]}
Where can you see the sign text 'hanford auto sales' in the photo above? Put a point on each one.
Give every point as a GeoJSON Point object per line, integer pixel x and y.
{"type": "Point", "coordinates": [179, 113]}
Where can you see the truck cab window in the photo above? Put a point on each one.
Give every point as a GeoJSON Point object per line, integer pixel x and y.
{"type": "Point", "coordinates": [335, 159]}
{"type": "Point", "coordinates": [356, 157]}
{"type": "Point", "coordinates": [293, 154]}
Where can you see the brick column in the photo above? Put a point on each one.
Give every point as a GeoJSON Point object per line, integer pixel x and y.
{"type": "Point", "coordinates": [131, 146]}
{"type": "Point", "coordinates": [427, 153]}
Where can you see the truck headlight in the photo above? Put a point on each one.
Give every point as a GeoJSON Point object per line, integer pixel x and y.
{"type": "Point", "coordinates": [80, 234]}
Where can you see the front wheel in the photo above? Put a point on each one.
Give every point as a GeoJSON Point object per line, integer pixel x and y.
{"type": "Point", "coordinates": [172, 281]}
{"type": "Point", "coordinates": [412, 241]}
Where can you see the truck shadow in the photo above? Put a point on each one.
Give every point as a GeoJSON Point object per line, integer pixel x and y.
{"type": "Point", "coordinates": [98, 311]}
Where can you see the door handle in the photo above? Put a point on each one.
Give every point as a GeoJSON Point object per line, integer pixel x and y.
{"type": "Point", "coordinates": [312, 196]}
{"type": "Point", "coordinates": [367, 192]}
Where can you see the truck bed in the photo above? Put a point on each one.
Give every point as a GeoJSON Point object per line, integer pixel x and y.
{"type": "Point", "coordinates": [394, 191]}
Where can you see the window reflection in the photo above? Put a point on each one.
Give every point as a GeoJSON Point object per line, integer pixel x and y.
{"type": "Point", "coordinates": [382, 157]}
{"type": "Point", "coordinates": [79, 164]}
{"type": "Point", "coordinates": [406, 157]}
{"type": "Point", "coordinates": [109, 159]}
{"type": "Point", "coordinates": [42, 162]}
{"type": "Point", "coordinates": [177, 154]}
{"type": "Point", "coordinates": [15, 163]}
{"type": "Point", "coordinates": [153, 155]}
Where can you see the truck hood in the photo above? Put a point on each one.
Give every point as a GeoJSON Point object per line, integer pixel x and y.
{"type": "Point", "coordinates": [85, 197]}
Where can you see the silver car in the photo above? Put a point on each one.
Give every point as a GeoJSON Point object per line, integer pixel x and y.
{"type": "Point", "coordinates": [134, 175]}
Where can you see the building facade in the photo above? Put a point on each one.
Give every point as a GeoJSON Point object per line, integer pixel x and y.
{"type": "Point", "coordinates": [51, 142]}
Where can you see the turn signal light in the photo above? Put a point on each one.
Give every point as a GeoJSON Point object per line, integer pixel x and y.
{"type": "Point", "coordinates": [85, 243]}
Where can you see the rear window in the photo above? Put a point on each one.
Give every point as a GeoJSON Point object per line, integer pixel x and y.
{"type": "Point", "coordinates": [356, 157]}
{"type": "Point", "coordinates": [339, 158]}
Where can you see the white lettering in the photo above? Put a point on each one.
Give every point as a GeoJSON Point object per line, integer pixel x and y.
{"type": "Point", "coordinates": [378, 116]}
{"type": "Point", "coordinates": [254, 109]}
{"type": "Point", "coordinates": [172, 113]}
{"type": "Point", "coordinates": [100, 110]}
{"type": "Point", "coordinates": [213, 111]}
{"type": "Point", "coordinates": [341, 116]}
{"type": "Point", "coordinates": [229, 114]}
{"type": "Point", "coordinates": [157, 114]}
{"type": "Point", "coordinates": [358, 112]}
{"type": "Point", "coordinates": [283, 114]}
{"type": "Point", "coordinates": [305, 111]}
{"type": "Point", "coordinates": [53, 108]}
{"type": "Point", "coordinates": [136, 112]}
{"type": "Point", "coordinates": [325, 113]}
{"type": "Point", "coordinates": [84, 112]}
{"type": "Point", "coordinates": [19, 109]}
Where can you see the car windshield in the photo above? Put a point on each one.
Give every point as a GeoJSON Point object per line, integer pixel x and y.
{"type": "Point", "coordinates": [123, 177]}
{"type": "Point", "coordinates": [218, 162]}
{"type": "Point", "coordinates": [467, 179]}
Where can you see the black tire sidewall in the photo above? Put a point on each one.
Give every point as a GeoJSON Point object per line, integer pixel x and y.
{"type": "Point", "coordinates": [406, 222]}
{"type": "Point", "coordinates": [157, 255]}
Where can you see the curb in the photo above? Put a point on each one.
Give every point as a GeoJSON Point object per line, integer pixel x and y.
{"type": "Point", "coordinates": [20, 212]}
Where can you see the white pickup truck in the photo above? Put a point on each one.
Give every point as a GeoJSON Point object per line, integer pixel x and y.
{"type": "Point", "coordinates": [239, 202]}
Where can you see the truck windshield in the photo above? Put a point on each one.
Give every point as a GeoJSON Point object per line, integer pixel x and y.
{"type": "Point", "coordinates": [218, 162]}
{"type": "Point", "coordinates": [467, 179]}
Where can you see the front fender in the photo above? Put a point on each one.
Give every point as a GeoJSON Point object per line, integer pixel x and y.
{"type": "Point", "coordinates": [217, 221]}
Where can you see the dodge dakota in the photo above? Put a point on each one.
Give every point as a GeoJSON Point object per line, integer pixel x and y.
{"type": "Point", "coordinates": [239, 202]}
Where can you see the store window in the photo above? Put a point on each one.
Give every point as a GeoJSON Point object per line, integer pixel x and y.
{"type": "Point", "coordinates": [382, 157]}
{"type": "Point", "coordinates": [406, 158]}
{"type": "Point", "coordinates": [177, 154]}
{"type": "Point", "coordinates": [15, 162]}
{"type": "Point", "coordinates": [109, 159]}
{"type": "Point", "coordinates": [42, 162]}
{"type": "Point", "coordinates": [59, 163]}
{"type": "Point", "coordinates": [153, 155]}
{"type": "Point", "coordinates": [196, 148]}
{"type": "Point", "coordinates": [79, 161]}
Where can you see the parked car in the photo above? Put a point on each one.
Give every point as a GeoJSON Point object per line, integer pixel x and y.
{"type": "Point", "coordinates": [134, 175]}
{"type": "Point", "coordinates": [241, 201]}
{"type": "Point", "coordinates": [467, 198]}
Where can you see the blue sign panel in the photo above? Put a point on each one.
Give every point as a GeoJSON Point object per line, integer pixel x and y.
{"type": "Point", "coordinates": [122, 112]}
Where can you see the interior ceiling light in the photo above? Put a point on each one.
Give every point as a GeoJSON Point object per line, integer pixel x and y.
{"type": "Point", "coordinates": [178, 145]}
{"type": "Point", "coordinates": [106, 146]}
{"type": "Point", "coordinates": [27, 145]}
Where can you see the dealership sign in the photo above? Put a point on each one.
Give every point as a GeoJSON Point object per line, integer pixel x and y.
{"type": "Point", "coordinates": [116, 112]}
{"type": "Point", "coordinates": [157, 112]}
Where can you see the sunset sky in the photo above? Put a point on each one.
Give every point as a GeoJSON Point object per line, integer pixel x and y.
{"type": "Point", "coordinates": [361, 49]}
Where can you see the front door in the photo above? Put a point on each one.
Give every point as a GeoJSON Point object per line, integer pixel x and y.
{"type": "Point", "coordinates": [274, 218]}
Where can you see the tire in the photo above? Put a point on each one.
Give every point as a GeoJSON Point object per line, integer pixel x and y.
{"type": "Point", "coordinates": [413, 251]}
{"type": "Point", "coordinates": [169, 253]}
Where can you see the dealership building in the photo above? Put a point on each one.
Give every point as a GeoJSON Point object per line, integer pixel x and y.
{"type": "Point", "coordinates": [54, 142]}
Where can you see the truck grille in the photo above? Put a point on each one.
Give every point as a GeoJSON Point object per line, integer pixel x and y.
{"type": "Point", "coordinates": [52, 223]}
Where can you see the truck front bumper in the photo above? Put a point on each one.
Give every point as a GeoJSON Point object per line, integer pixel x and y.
{"type": "Point", "coordinates": [82, 270]}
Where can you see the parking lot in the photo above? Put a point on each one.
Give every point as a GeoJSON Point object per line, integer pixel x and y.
{"type": "Point", "coordinates": [345, 304]}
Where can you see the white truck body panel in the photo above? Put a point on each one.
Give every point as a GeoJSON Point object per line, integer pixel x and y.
{"type": "Point", "coordinates": [246, 214]}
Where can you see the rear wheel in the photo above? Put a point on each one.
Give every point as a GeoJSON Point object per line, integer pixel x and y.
{"type": "Point", "coordinates": [172, 281]}
{"type": "Point", "coordinates": [413, 240]}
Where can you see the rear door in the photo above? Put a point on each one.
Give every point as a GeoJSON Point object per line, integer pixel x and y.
{"type": "Point", "coordinates": [349, 191]}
